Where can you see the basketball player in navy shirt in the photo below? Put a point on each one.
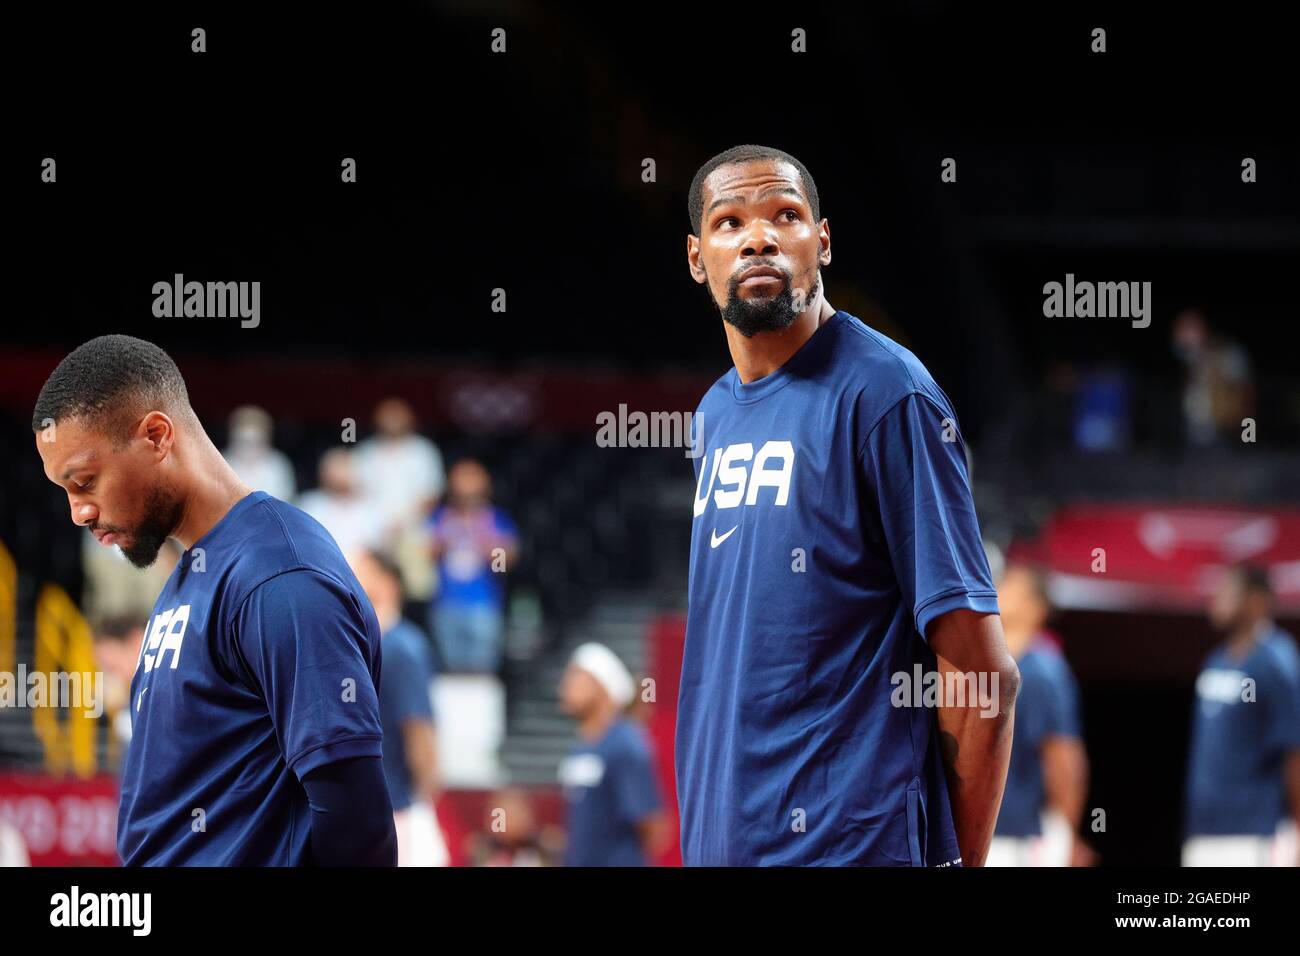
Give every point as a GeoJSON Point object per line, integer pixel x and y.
{"type": "Point", "coordinates": [1242, 798]}
{"type": "Point", "coordinates": [834, 548]}
{"type": "Point", "coordinates": [256, 736]}
{"type": "Point", "coordinates": [1047, 782]}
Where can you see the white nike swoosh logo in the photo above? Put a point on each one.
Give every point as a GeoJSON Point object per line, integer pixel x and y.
{"type": "Point", "coordinates": [714, 540]}
{"type": "Point", "coordinates": [139, 700]}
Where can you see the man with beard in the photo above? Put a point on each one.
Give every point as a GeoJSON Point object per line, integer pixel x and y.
{"type": "Point", "coordinates": [1242, 797]}
{"type": "Point", "coordinates": [255, 720]}
{"type": "Point", "coordinates": [834, 547]}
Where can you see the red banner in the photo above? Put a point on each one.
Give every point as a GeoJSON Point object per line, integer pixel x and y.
{"type": "Point", "coordinates": [64, 821]}
{"type": "Point", "coordinates": [1126, 557]}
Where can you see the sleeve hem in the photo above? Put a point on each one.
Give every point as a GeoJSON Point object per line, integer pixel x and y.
{"type": "Point", "coordinates": [980, 601]}
{"type": "Point", "coordinates": [341, 748]}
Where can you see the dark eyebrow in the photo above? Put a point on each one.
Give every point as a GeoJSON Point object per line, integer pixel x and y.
{"type": "Point", "coordinates": [86, 462]}
{"type": "Point", "coordinates": [774, 191]}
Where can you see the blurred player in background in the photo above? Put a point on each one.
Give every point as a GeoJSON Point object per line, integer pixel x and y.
{"type": "Point", "coordinates": [256, 737]}
{"type": "Point", "coordinates": [834, 545]}
{"type": "Point", "coordinates": [1243, 776]}
{"type": "Point", "coordinates": [406, 709]}
{"type": "Point", "coordinates": [117, 652]}
{"type": "Point", "coordinates": [615, 814]}
{"type": "Point", "coordinates": [1047, 782]}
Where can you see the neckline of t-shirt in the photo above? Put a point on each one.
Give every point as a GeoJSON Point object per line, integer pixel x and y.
{"type": "Point", "coordinates": [245, 502]}
{"type": "Point", "coordinates": [765, 386]}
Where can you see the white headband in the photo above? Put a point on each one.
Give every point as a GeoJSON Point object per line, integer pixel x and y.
{"type": "Point", "coordinates": [604, 665]}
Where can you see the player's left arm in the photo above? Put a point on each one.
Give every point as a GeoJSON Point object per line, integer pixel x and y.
{"type": "Point", "coordinates": [300, 639]}
{"type": "Point", "coordinates": [348, 826]}
{"type": "Point", "coordinates": [913, 461]}
{"type": "Point", "coordinates": [975, 740]}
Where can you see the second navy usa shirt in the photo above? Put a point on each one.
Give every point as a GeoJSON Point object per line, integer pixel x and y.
{"type": "Point", "coordinates": [259, 664]}
{"type": "Point", "coordinates": [833, 521]}
{"type": "Point", "coordinates": [1241, 738]}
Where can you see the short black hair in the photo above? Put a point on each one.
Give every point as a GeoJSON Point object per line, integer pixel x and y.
{"type": "Point", "coordinates": [108, 381]}
{"type": "Point", "coordinates": [118, 627]}
{"type": "Point", "coordinates": [387, 565]}
{"type": "Point", "coordinates": [1037, 576]}
{"type": "Point", "coordinates": [745, 154]}
{"type": "Point", "coordinates": [1253, 579]}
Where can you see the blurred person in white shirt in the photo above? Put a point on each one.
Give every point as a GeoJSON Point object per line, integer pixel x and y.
{"type": "Point", "coordinates": [257, 463]}
{"type": "Point", "coordinates": [399, 470]}
{"type": "Point", "coordinates": [338, 504]}
{"type": "Point", "coordinates": [402, 477]}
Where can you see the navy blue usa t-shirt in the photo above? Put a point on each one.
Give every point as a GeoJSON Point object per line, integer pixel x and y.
{"type": "Point", "coordinates": [833, 522]}
{"type": "Point", "coordinates": [403, 696]}
{"type": "Point", "coordinates": [1235, 783]}
{"type": "Point", "coordinates": [259, 664]}
{"type": "Point", "coordinates": [610, 787]}
{"type": "Point", "coordinates": [1046, 706]}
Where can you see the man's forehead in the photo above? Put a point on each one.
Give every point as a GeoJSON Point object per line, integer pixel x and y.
{"type": "Point", "coordinates": [735, 178]}
{"type": "Point", "coordinates": [67, 447]}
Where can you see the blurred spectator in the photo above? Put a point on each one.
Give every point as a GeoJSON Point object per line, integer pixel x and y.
{"type": "Point", "coordinates": [615, 813]}
{"type": "Point", "coordinates": [250, 453]}
{"type": "Point", "coordinates": [339, 506]}
{"type": "Point", "coordinates": [117, 654]}
{"type": "Point", "coordinates": [1218, 391]}
{"type": "Point", "coordinates": [1102, 410]}
{"type": "Point", "coordinates": [1047, 781]}
{"type": "Point", "coordinates": [473, 543]}
{"type": "Point", "coordinates": [400, 471]}
{"type": "Point", "coordinates": [401, 476]}
{"type": "Point", "coordinates": [406, 713]}
{"type": "Point", "coordinates": [1243, 777]}
{"type": "Point", "coordinates": [115, 587]}
{"type": "Point", "coordinates": [13, 848]}
{"type": "Point", "coordinates": [512, 836]}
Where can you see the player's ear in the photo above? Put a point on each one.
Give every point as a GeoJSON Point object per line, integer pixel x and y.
{"type": "Point", "coordinates": [693, 260]}
{"type": "Point", "coordinates": [157, 428]}
{"type": "Point", "coordinates": [824, 257]}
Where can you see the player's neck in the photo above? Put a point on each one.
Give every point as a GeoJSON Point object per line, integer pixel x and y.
{"type": "Point", "coordinates": [595, 725]}
{"type": "Point", "coordinates": [214, 489]}
{"type": "Point", "coordinates": [764, 353]}
{"type": "Point", "coordinates": [1246, 637]}
{"type": "Point", "coordinates": [387, 616]}
{"type": "Point", "coordinates": [1018, 642]}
